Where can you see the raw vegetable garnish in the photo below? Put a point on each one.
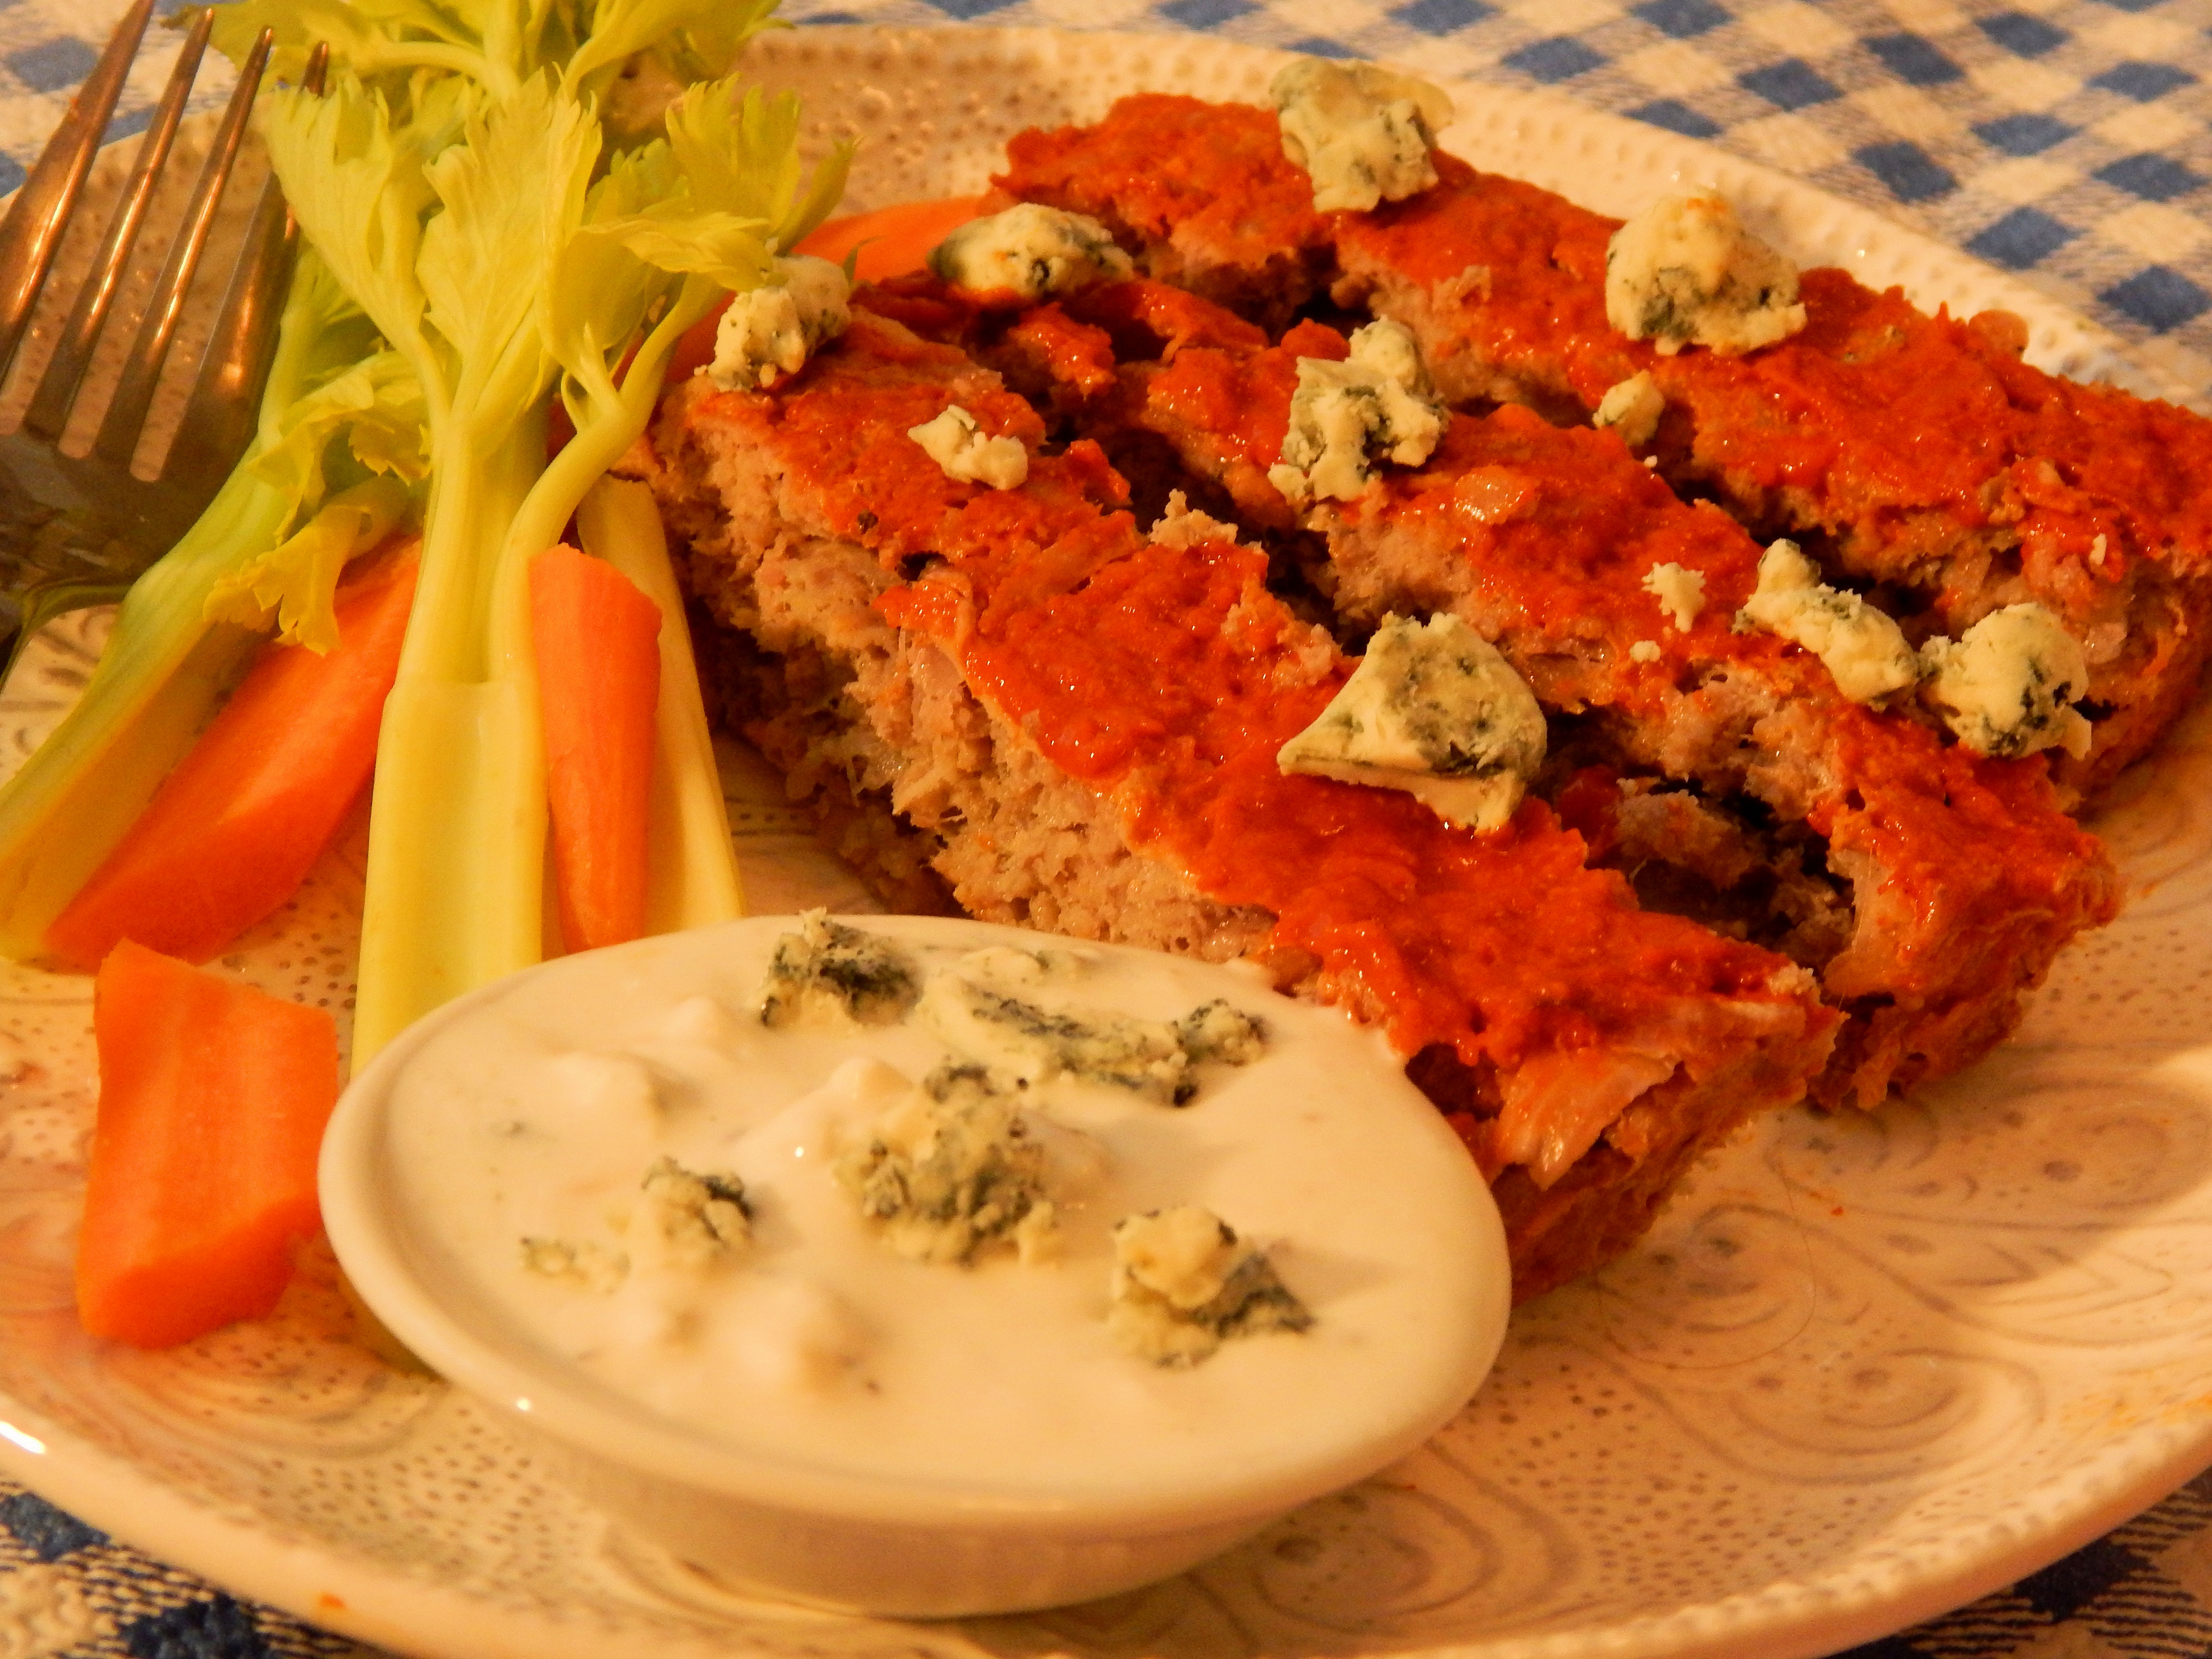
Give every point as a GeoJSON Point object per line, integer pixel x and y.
{"type": "Point", "coordinates": [332, 467]}
{"type": "Point", "coordinates": [213, 1097]}
{"type": "Point", "coordinates": [479, 238]}
{"type": "Point", "coordinates": [481, 222]}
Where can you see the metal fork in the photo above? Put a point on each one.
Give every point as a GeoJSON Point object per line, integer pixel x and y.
{"type": "Point", "coordinates": [76, 528]}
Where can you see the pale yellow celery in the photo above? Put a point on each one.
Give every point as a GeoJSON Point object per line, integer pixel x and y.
{"type": "Point", "coordinates": [455, 857]}
{"type": "Point", "coordinates": [496, 43]}
{"type": "Point", "coordinates": [101, 791]}
{"type": "Point", "coordinates": [296, 585]}
{"type": "Point", "coordinates": [493, 265]}
{"type": "Point", "coordinates": [457, 821]}
{"type": "Point", "coordinates": [693, 870]}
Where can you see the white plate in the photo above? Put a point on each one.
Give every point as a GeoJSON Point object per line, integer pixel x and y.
{"type": "Point", "coordinates": [1868, 1368]}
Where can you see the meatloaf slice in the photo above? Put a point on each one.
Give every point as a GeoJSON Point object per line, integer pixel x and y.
{"type": "Point", "coordinates": [1965, 877]}
{"type": "Point", "coordinates": [1086, 720]}
{"type": "Point", "coordinates": [1916, 452]}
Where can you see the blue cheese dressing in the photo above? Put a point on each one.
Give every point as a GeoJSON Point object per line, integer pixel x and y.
{"type": "Point", "coordinates": [727, 1224]}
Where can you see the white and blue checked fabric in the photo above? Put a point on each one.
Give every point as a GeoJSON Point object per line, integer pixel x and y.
{"type": "Point", "coordinates": [2065, 141]}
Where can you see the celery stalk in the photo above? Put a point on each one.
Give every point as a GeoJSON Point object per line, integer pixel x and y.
{"type": "Point", "coordinates": [480, 223]}
{"type": "Point", "coordinates": [457, 821]}
{"type": "Point", "coordinates": [693, 878]}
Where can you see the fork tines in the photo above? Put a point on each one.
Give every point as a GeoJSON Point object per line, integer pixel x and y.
{"type": "Point", "coordinates": [43, 214]}
{"type": "Point", "coordinates": [33, 227]}
{"type": "Point", "coordinates": [78, 518]}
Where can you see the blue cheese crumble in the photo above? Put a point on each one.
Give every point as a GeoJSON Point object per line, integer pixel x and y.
{"type": "Point", "coordinates": [829, 975]}
{"type": "Point", "coordinates": [1031, 251]}
{"type": "Point", "coordinates": [767, 331]}
{"type": "Point", "coordinates": [1435, 710]}
{"type": "Point", "coordinates": [1862, 649]}
{"type": "Point", "coordinates": [952, 1170]}
{"type": "Point", "coordinates": [1026, 1044]}
{"type": "Point", "coordinates": [1363, 134]}
{"type": "Point", "coordinates": [956, 440]}
{"type": "Point", "coordinates": [2007, 685]}
{"type": "Point", "coordinates": [1684, 271]}
{"type": "Point", "coordinates": [690, 1221]}
{"type": "Point", "coordinates": [586, 1265]}
{"type": "Point", "coordinates": [1377, 405]}
{"type": "Point", "coordinates": [1184, 1281]}
{"type": "Point", "coordinates": [1217, 1030]}
{"type": "Point", "coordinates": [1680, 590]}
{"type": "Point", "coordinates": [1633, 408]}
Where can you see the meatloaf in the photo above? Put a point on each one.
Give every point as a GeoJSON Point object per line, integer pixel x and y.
{"type": "Point", "coordinates": [1913, 454]}
{"type": "Point", "coordinates": [1077, 722]}
{"type": "Point", "coordinates": [1543, 539]}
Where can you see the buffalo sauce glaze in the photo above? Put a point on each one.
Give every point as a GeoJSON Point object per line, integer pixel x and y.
{"type": "Point", "coordinates": [1169, 678]}
{"type": "Point", "coordinates": [1557, 529]}
{"type": "Point", "coordinates": [1873, 408]}
{"type": "Point", "coordinates": [1541, 537]}
{"type": "Point", "coordinates": [1208, 183]}
{"type": "Point", "coordinates": [1585, 1051]}
{"type": "Point", "coordinates": [1160, 680]}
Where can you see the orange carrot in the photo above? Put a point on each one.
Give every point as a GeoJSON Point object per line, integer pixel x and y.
{"type": "Point", "coordinates": [232, 832]}
{"type": "Point", "coordinates": [890, 242]}
{"type": "Point", "coordinates": [597, 640]}
{"type": "Point", "coordinates": [213, 1096]}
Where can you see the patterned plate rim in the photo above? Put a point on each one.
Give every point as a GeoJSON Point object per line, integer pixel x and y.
{"type": "Point", "coordinates": [371, 1603]}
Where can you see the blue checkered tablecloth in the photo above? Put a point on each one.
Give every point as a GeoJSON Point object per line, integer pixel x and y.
{"type": "Point", "coordinates": [2066, 141]}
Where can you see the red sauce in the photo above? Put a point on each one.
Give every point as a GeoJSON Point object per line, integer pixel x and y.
{"type": "Point", "coordinates": [1055, 350]}
{"type": "Point", "coordinates": [1557, 578]}
{"type": "Point", "coordinates": [1873, 412]}
{"type": "Point", "coordinates": [920, 302]}
{"type": "Point", "coordinates": [1149, 319]}
{"type": "Point", "coordinates": [1873, 409]}
{"type": "Point", "coordinates": [1209, 177]}
{"type": "Point", "coordinates": [1170, 678]}
{"type": "Point", "coordinates": [1158, 679]}
{"type": "Point", "coordinates": [1542, 535]}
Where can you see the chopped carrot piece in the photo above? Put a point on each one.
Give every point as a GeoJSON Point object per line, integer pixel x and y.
{"type": "Point", "coordinates": [892, 241]}
{"type": "Point", "coordinates": [213, 1096]}
{"type": "Point", "coordinates": [598, 641]}
{"type": "Point", "coordinates": [232, 832]}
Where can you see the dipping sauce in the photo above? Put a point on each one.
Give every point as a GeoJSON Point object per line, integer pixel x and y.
{"type": "Point", "coordinates": [557, 1147]}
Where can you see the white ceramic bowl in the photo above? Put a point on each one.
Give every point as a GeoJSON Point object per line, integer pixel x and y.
{"type": "Point", "coordinates": [1424, 1309]}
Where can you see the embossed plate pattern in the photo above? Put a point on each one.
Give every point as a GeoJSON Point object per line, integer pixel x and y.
{"type": "Point", "coordinates": [1867, 1367]}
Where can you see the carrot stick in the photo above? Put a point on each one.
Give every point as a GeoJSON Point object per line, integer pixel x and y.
{"type": "Point", "coordinates": [598, 641]}
{"type": "Point", "coordinates": [212, 1101]}
{"type": "Point", "coordinates": [892, 241]}
{"type": "Point", "coordinates": [232, 832]}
